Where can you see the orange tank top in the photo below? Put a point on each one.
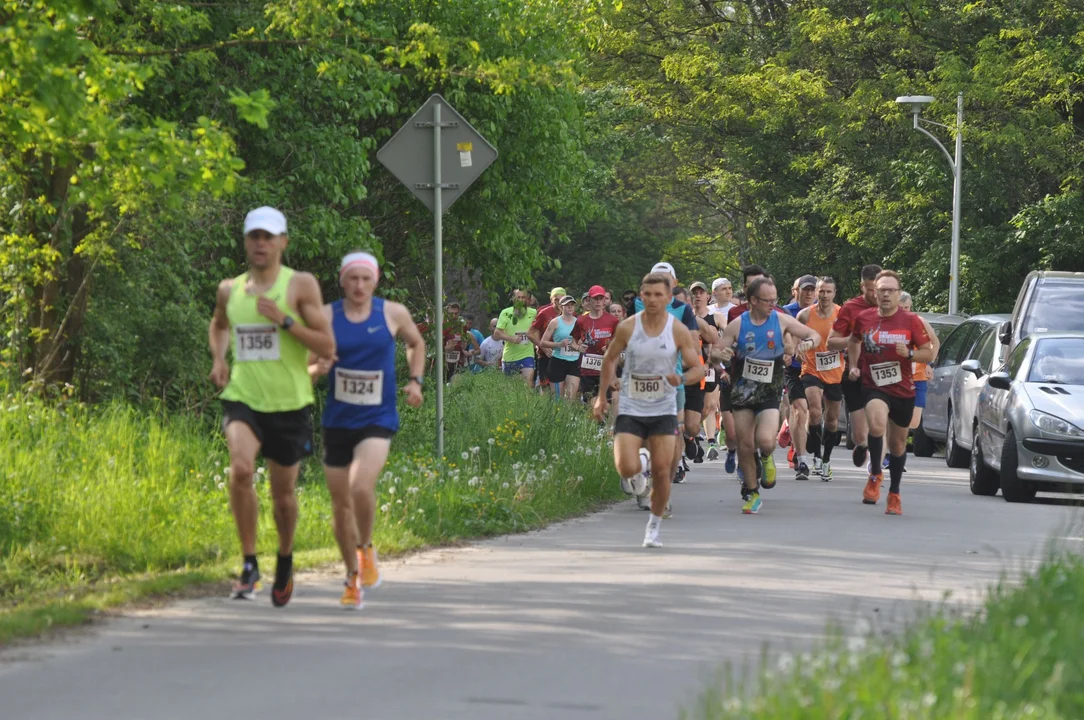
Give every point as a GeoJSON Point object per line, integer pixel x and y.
{"type": "Point", "coordinates": [919, 371]}
{"type": "Point", "coordinates": [818, 362]}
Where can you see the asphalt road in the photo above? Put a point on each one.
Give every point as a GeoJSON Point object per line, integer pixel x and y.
{"type": "Point", "coordinates": [577, 621]}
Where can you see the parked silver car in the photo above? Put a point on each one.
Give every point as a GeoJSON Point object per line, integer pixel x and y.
{"type": "Point", "coordinates": [952, 391]}
{"type": "Point", "coordinates": [1030, 425]}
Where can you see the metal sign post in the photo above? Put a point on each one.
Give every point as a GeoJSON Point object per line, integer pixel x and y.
{"type": "Point", "coordinates": [407, 156]}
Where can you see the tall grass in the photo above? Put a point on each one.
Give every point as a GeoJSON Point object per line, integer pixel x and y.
{"type": "Point", "coordinates": [1020, 656]}
{"type": "Point", "coordinates": [90, 493]}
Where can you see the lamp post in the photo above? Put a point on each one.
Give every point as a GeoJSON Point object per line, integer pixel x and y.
{"type": "Point", "coordinates": [917, 102]}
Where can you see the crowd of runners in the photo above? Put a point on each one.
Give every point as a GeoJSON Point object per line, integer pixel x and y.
{"type": "Point", "coordinates": [669, 368]}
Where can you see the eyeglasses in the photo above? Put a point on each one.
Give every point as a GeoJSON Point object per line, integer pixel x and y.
{"type": "Point", "coordinates": [770, 301]}
{"type": "Point", "coordinates": [890, 291]}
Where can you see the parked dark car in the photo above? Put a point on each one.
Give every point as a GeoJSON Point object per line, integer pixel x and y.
{"type": "Point", "coordinates": [953, 391]}
{"type": "Point", "coordinates": [1048, 301]}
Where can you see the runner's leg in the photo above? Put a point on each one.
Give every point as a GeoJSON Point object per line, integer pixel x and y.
{"type": "Point", "coordinates": [283, 480]}
{"type": "Point", "coordinates": [744, 429]}
{"type": "Point", "coordinates": [661, 447]}
{"type": "Point", "coordinates": [369, 458]}
{"type": "Point", "coordinates": [342, 516]}
{"type": "Point", "coordinates": [243, 447]}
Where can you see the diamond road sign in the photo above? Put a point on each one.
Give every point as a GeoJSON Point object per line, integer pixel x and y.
{"type": "Point", "coordinates": [409, 155]}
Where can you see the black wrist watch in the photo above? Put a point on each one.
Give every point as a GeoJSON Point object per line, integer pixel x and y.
{"type": "Point", "coordinates": [287, 323]}
{"type": "Point", "coordinates": [418, 379]}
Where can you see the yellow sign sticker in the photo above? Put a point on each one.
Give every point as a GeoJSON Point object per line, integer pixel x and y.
{"type": "Point", "coordinates": [464, 147]}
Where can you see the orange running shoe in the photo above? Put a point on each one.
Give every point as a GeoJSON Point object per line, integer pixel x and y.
{"type": "Point", "coordinates": [352, 594]}
{"type": "Point", "coordinates": [783, 438]}
{"type": "Point", "coordinates": [872, 492]}
{"type": "Point", "coordinates": [790, 458]}
{"type": "Point", "coordinates": [370, 573]}
{"type": "Point", "coordinates": [894, 506]}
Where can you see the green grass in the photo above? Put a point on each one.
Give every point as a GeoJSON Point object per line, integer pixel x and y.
{"type": "Point", "coordinates": [105, 505]}
{"type": "Point", "coordinates": [1019, 656]}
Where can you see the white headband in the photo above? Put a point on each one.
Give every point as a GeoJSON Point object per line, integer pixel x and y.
{"type": "Point", "coordinates": [359, 259]}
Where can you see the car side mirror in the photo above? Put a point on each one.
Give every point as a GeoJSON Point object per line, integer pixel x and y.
{"type": "Point", "coordinates": [1000, 380]}
{"type": "Point", "coordinates": [972, 366]}
{"type": "Point", "coordinates": [1004, 333]}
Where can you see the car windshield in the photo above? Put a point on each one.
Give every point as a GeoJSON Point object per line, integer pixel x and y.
{"type": "Point", "coordinates": [1057, 307]}
{"type": "Point", "coordinates": [942, 329]}
{"type": "Point", "coordinates": [1059, 361]}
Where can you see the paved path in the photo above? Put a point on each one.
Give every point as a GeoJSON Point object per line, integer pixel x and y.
{"type": "Point", "coordinates": [577, 621]}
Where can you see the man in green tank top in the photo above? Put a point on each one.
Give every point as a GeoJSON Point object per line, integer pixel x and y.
{"type": "Point", "coordinates": [270, 318]}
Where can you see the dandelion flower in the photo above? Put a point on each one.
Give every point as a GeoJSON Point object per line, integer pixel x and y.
{"type": "Point", "coordinates": [221, 486]}
{"type": "Point", "coordinates": [261, 470]}
{"type": "Point", "coordinates": [473, 482]}
{"type": "Point", "coordinates": [474, 450]}
{"type": "Point", "coordinates": [391, 490]}
{"type": "Point", "coordinates": [491, 441]}
{"type": "Point", "coordinates": [589, 451]}
{"type": "Point", "coordinates": [504, 485]}
{"type": "Point", "coordinates": [413, 490]}
{"type": "Point", "coordinates": [385, 507]}
{"type": "Point", "coordinates": [1021, 621]}
{"type": "Point", "coordinates": [465, 455]}
{"type": "Point", "coordinates": [218, 478]}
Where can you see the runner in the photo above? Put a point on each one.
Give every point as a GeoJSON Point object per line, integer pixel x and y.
{"type": "Point", "coordinates": [564, 365]}
{"type": "Point", "coordinates": [822, 372]}
{"type": "Point", "coordinates": [594, 331]}
{"type": "Point", "coordinates": [512, 327]}
{"type": "Point", "coordinates": [798, 413]}
{"type": "Point", "coordinates": [617, 311]}
{"type": "Point", "coordinates": [653, 343]}
{"type": "Point", "coordinates": [755, 343]}
{"type": "Point", "coordinates": [920, 370]}
{"type": "Point", "coordinates": [460, 344]}
{"type": "Point", "coordinates": [711, 380]}
{"type": "Point", "coordinates": [542, 320]}
{"type": "Point", "coordinates": [885, 340]}
{"type": "Point", "coordinates": [360, 417]}
{"type": "Point", "coordinates": [839, 339]}
{"type": "Point", "coordinates": [722, 292]}
{"type": "Point", "coordinates": [472, 354]}
{"type": "Point", "coordinates": [269, 317]}
{"type": "Point", "coordinates": [684, 314]}
{"type": "Point", "coordinates": [492, 349]}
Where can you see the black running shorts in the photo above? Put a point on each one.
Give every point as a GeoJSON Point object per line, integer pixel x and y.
{"type": "Point", "coordinates": [694, 398]}
{"type": "Point", "coordinates": [560, 369]}
{"type": "Point", "coordinates": [900, 410]}
{"type": "Point", "coordinates": [643, 427]}
{"type": "Point", "coordinates": [285, 437]}
{"type": "Point", "coordinates": [853, 394]}
{"type": "Point", "coordinates": [793, 383]}
{"type": "Point", "coordinates": [339, 443]}
{"type": "Point", "coordinates": [832, 392]}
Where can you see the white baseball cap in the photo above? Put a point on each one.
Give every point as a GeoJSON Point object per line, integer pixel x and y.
{"type": "Point", "coordinates": [266, 218]}
{"type": "Point", "coordinates": [719, 281]}
{"type": "Point", "coordinates": [664, 267]}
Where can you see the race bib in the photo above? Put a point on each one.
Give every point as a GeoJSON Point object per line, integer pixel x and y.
{"type": "Point", "coordinates": [591, 362]}
{"type": "Point", "coordinates": [521, 338]}
{"type": "Point", "coordinates": [646, 387]}
{"type": "Point", "coordinates": [886, 373]}
{"type": "Point", "coordinates": [709, 374]}
{"type": "Point", "coordinates": [827, 361]}
{"type": "Point", "coordinates": [359, 387]}
{"type": "Point", "coordinates": [451, 357]}
{"type": "Point", "coordinates": [254, 343]}
{"type": "Point", "coordinates": [760, 371]}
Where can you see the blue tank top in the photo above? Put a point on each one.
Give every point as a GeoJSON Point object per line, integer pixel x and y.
{"type": "Point", "coordinates": [762, 342]}
{"type": "Point", "coordinates": [366, 365]}
{"type": "Point", "coordinates": [562, 332]}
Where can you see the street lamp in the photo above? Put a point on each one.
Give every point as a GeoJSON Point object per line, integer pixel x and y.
{"type": "Point", "coordinates": [917, 102]}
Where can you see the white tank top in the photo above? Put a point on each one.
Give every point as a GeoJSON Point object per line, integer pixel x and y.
{"type": "Point", "coordinates": [648, 360]}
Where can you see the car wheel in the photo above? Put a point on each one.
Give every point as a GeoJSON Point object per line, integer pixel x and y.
{"type": "Point", "coordinates": [984, 480]}
{"type": "Point", "coordinates": [1013, 488]}
{"type": "Point", "coordinates": [955, 456]}
{"type": "Point", "coordinates": [922, 444]}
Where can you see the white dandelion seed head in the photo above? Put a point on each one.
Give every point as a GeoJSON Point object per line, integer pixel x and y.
{"type": "Point", "coordinates": [474, 450]}
{"type": "Point", "coordinates": [218, 478]}
{"type": "Point", "coordinates": [413, 490]}
{"type": "Point", "coordinates": [1021, 621]}
{"type": "Point", "coordinates": [785, 663]}
{"type": "Point", "coordinates": [385, 507]}
{"type": "Point", "coordinates": [465, 455]}
{"type": "Point", "coordinates": [899, 658]}
{"type": "Point", "coordinates": [399, 502]}
{"type": "Point", "coordinates": [504, 486]}
{"type": "Point", "coordinates": [491, 441]}
{"type": "Point", "coordinates": [579, 478]}
{"type": "Point", "coordinates": [261, 470]}
{"type": "Point", "coordinates": [589, 451]}
{"type": "Point", "coordinates": [391, 490]}
{"type": "Point", "coordinates": [473, 482]}
{"type": "Point", "coordinates": [226, 471]}
{"type": "Point", "coordinates": [221, 486]}
{"type": "Point", "coordinates": [929, 700]}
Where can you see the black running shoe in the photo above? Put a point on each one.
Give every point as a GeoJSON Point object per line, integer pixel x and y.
{"type": "Point", "coordinates": [802, 473]}
{"type": "Point", "coordinates": [246, 586]}
{"type": "Point", "coordinates": [858, 455]}
{"type": "Point", "coordinates": [679, 478]}
{"type": "Point", "coordinates": [283, 589]}
{"type": "Point", "coordinates": [690, 448]}
{"type": "Point", "coordinates": [699, 453]}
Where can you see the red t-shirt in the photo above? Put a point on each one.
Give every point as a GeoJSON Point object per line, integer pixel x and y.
{"type": "Point", "coordinates": [884, 369]}
{"type": "Point", "coordinates": [542, 320]}
{"type": "Point", "coordinates": [737, 311]}
{"type": "Point", "coordinates": [598, 333]}
{"type": "Point", "coordinates": [851, 309]}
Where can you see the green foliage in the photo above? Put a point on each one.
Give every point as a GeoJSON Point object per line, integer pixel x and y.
{"type": "Point", "coordinates": [781, 119]}
{"type": "Point", "coordinates": [1017, 658]}
{"type": "Point", "coordinates": [95, 494]}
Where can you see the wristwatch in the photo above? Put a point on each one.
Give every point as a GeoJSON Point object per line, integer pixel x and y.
{"type": "Point", "coordinates": [911, 354]}
{"type": "Point", "coordinates": [418, 379]}
{"type": "Point", "coordinates": [287, 323]}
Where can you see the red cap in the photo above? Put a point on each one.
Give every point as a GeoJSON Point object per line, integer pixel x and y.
{"type": "Point", "coordinates": [596, 291]}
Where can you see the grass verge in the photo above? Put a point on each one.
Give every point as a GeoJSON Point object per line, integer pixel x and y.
{"type": "Point", "coordinates": [1019, 656]}
{"type": "Point", "coordinates": [103, 506]}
